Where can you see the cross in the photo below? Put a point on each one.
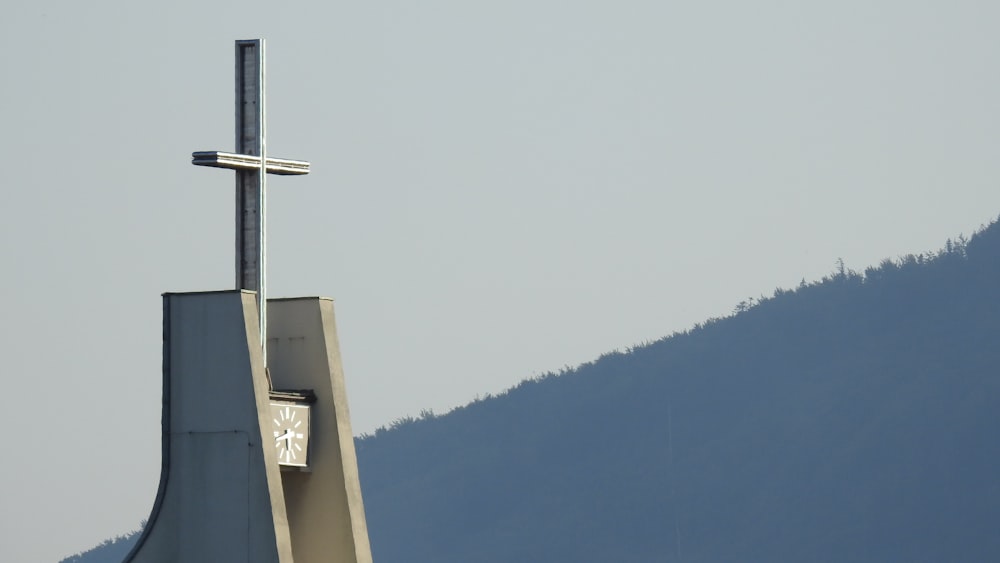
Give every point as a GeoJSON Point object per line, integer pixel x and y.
{"type": "Point", "coordinates": [250, 175]}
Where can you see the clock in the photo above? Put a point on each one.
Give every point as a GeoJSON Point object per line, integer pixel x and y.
{"type": "Point", "coordinates": [290, 426]}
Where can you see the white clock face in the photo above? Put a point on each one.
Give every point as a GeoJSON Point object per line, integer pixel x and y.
{"type": "Point", "coordinates": [291, 433]}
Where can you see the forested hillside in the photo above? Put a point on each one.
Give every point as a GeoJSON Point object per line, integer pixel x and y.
{"type": "Point", "coordinates": [854, 419]}
{"type": "Point", "coordinates": [851, 419]}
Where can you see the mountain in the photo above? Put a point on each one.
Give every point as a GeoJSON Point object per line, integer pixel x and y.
{"type": "Point", "coordinates": [850, 419]}
{"type": "Point", "coordinates": [110, 550]}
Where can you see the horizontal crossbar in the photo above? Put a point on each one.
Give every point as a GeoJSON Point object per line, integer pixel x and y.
{"type": "Point", "coordinates": [232, 161]}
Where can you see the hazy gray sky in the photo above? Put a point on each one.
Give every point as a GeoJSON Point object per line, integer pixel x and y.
{"type": "Point", "coordinates": [498, 190]}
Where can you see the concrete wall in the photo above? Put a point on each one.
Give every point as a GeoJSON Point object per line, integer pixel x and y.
{"type": "Point", "coordinates": [220, 498]}
{"type": "Point", "coordinates": [325, 512]}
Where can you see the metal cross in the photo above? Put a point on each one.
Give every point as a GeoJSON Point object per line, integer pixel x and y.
{"type": "Point", "coordinates": [250, 175]}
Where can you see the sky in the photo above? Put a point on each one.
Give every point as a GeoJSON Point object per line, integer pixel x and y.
{"type": "Point", "coordinates": [498, 190]}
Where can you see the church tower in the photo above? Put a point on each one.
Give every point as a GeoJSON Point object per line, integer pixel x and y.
{"type": "Point", "coordinates": [258, 460]}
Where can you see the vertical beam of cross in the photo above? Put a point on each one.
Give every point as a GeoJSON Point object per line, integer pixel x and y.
{"type": "Point", "coordinates": [251, 186]}
{"type": "Point", "coordinates": [251, 192]}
